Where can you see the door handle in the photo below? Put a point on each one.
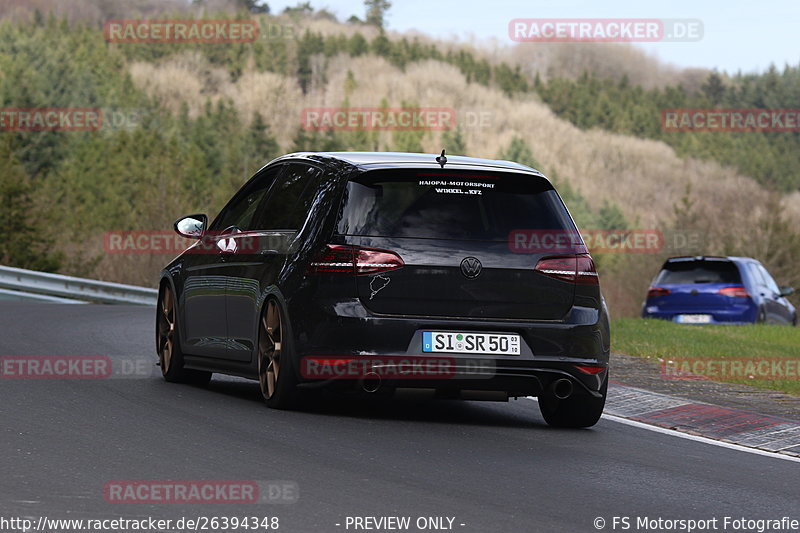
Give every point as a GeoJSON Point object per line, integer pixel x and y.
{"type": "Point", "coordinates": [227, 245]}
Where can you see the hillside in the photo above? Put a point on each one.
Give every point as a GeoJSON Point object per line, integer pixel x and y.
{"type": "Point", "coordinates": [202, 118]}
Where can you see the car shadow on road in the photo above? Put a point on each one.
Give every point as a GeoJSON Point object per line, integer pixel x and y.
{"type": "Point", "coordinates": [521, 413]}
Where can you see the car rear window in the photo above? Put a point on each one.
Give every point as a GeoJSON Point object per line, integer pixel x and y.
{"type": "Point", "coordinates": [684, 272]}
{"type": "Point", "coordinates": [450, 205]}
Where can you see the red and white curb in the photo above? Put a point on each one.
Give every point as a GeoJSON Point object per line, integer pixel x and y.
{"type": "Point", "coordinates": [724, 424]}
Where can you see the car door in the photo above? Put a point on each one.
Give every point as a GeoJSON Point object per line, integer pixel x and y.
{"type": "Point", "coordinates": [777, 306]}
{"type": "Point", "coordinates": [259, 252]}
{"type": "Point", "coordinates": [203, 300]}
{"type": "Point", "coordinates": [760, 290]}
{"type": "Point", "coordinates": [207, 286]}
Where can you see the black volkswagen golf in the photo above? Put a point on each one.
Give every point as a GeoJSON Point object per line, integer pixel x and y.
{"type": "Point", "coordinates": [378, 272]}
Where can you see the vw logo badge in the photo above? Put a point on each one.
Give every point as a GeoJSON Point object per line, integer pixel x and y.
{"type": "Point", "coordinates": [471, 267]}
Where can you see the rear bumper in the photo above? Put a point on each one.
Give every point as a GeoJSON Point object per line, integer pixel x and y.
{"type": "Point", "coordinates": [550, 349]}
{"type": "Point", "coordinates": [733, 315]}
{"type": "Point", "coordinates": [519, 381]}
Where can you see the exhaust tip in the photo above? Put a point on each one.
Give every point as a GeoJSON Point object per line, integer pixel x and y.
{"type": "Point", "coordinates": [371, 382]}
{"type": "Point", "coordinates": [562, 388]}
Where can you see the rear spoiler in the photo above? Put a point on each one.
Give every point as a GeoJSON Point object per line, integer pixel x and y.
{"type": "Point", "coordinates": [697, 258]}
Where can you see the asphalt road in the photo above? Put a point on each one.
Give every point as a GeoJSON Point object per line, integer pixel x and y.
{"type": "Point", "coordinates": [494, 467]}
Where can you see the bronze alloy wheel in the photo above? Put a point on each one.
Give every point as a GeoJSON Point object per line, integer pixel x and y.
{"type": "Point", "coordinates": [166, 330]}
{"type": "Point", "coordinates": [269, 349]}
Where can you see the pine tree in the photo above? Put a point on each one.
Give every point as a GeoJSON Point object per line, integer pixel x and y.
{"type": "Point", "coordinates": [261, 146]}
{"type": "Point", "coordinates": [25, 243]}
{"type": "Point", "coordinates": [519, 152]}
{"type": "Point", "coordinates": [714, 89]}
{"type": "Point", "coordinates": [453, 142]}
{"type": "Point", "coordinates": [357, 45]}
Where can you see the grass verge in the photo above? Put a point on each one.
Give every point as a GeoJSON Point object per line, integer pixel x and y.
{"type": "Point", "coordinates": [761, 356]}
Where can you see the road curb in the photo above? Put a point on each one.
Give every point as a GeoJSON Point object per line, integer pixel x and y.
{"type": "Point", "coordinates": [736, 426]}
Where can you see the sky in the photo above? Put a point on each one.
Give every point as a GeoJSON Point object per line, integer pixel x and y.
{"type": "Point", "coordinates": [737, 35]}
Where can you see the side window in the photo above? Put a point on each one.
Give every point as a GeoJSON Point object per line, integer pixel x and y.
{"type": "Point", "coordinates": [755, 273]}
{"type": "Point", "coordinates": [241, 210]}
{"type": "Point", "coordinates": [290, 198]}
{"type": "Point", "coordinates": [771, 285]}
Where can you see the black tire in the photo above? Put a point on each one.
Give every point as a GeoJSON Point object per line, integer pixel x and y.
{"type": "Point", "coordinates": [168, 343]}
{"type": "Point", "coordinates": [276, 377]}
{"type": "Point", "coordinates": [577, 411]}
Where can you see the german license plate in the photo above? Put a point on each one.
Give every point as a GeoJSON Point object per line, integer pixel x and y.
{"type": "Point", "coordinates": [476, 343]}
{"type": "Point", "coordinates": [693, 319]}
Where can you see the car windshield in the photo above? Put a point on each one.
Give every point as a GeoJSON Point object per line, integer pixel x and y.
{"type": "Point", "coordinates": [702, 271]}
{"type": "Point", "coordinates": [450, 205]}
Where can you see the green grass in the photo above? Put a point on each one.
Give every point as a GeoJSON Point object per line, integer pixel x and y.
{"type": "Point", "coordinates": [660, 340]}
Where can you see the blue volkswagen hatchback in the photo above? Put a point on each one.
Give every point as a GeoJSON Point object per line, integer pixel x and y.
{"type": "Point", "coordinates": [717, 290]}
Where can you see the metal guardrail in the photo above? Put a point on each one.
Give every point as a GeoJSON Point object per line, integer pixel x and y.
{"type": "Point", "coordinates": [21, 296]}
{"type": "Point", "coordinates": [23, 281]}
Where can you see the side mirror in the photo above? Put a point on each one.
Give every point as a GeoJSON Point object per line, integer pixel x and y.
{"type": "Point", "coordinates": [192, 226]}
{"type": "Point", "coordinates": [786, 291]}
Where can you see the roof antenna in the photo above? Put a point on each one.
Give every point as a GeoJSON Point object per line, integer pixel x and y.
{"type": "Point", "coordinates": [441, 159]}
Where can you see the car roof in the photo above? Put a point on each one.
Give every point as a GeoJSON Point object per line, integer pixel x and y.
{"type": "Point", "coordinates": [374, 160]}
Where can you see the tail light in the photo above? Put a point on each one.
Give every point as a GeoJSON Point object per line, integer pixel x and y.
{"type": "Point", "coordinates": [577, 269]}
{"type": "Point", "coordinates": [655, 292]}
{"type": "Point", "coordinates": [736, 292]}
{"type": "Point", "coordinates": [352, 260]}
